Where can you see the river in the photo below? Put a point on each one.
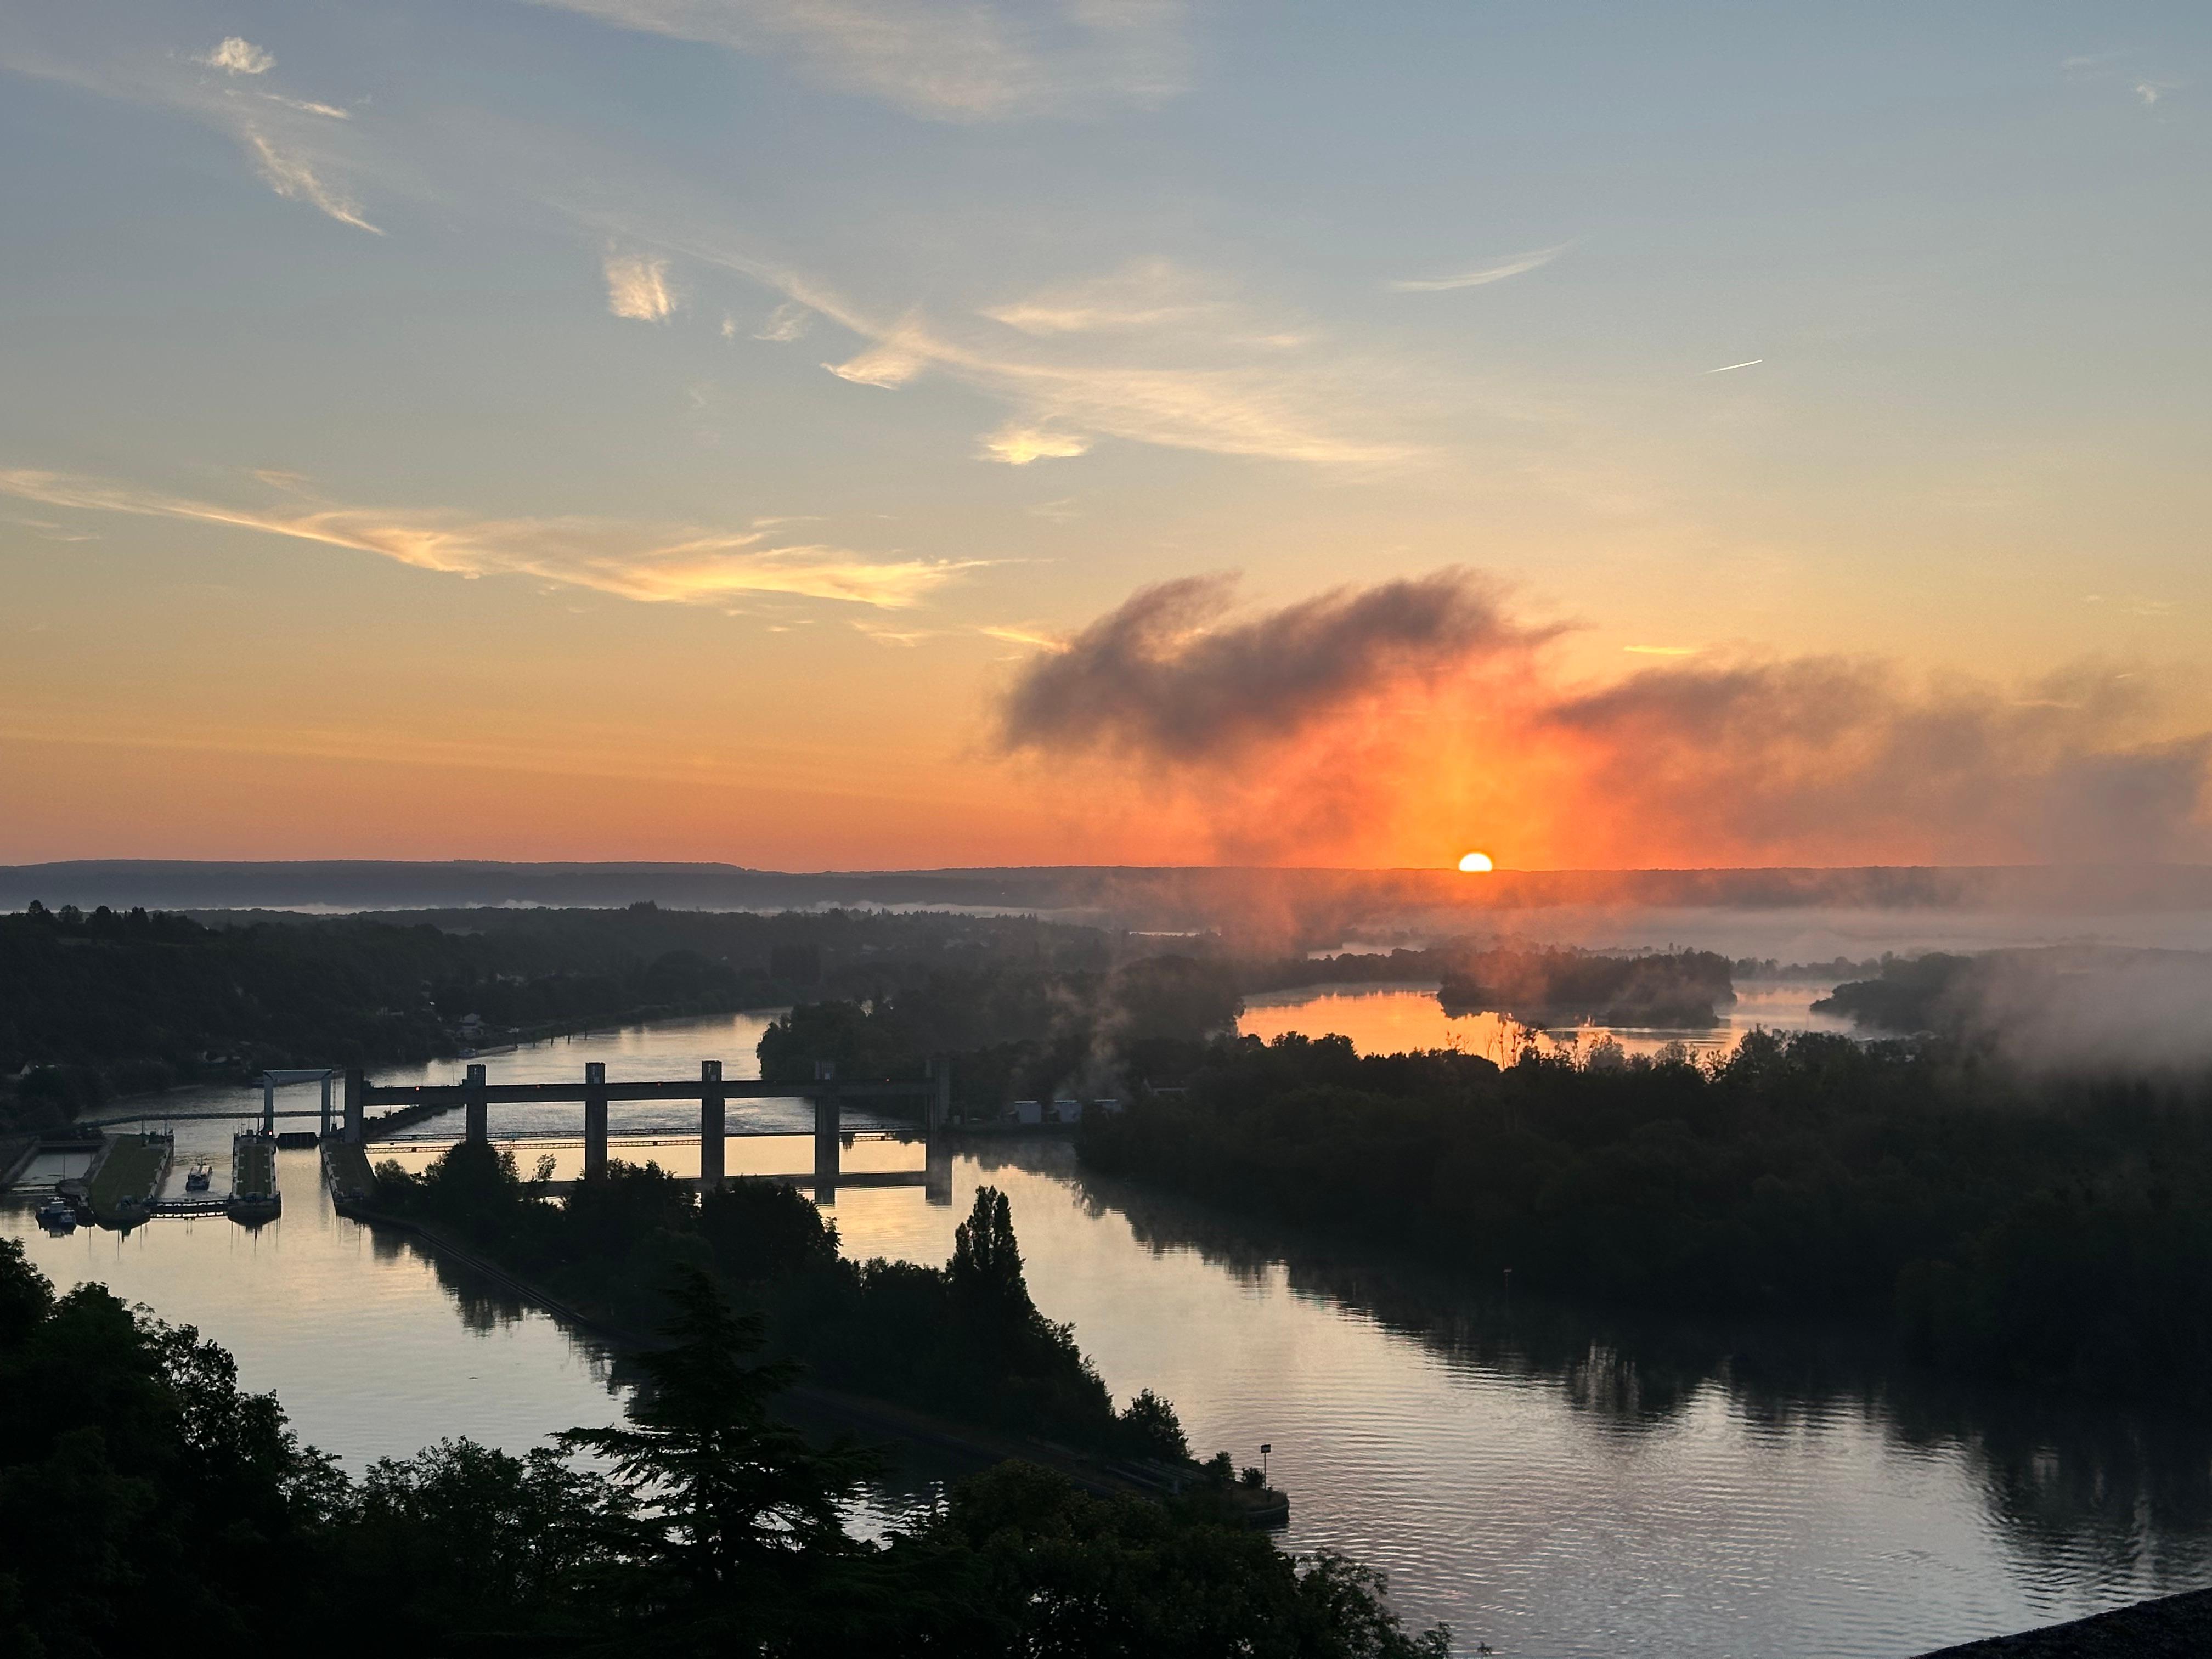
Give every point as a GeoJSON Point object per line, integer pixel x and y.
{"type": "Point", "coordinates": [1549, 1486]}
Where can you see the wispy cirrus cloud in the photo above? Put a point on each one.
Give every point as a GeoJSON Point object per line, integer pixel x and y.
{"type": "Point", "coordinates": [1481, 275]}
{"type": "Point", "coordinates": [2125, 69]}
{"type": "Point", "coordinates": [981, 60]}
{"type": "Point", "coordinates": [309, 106]}
{"type": "Point", "coordinates": [1149, 293]}
{"type": "Point", "coordinates": [295, 157]}
{"type": "Point", "coordinates": [1239, 382]}
{"type": "Point", "coordinates": [238, 56]}
{"type": "Point", "coordinates": [788, 321]}
{"type": "Point", "coordinates": [1035, 639]}
{"type": "Point", "coordinates": [1147, 354]}
{"type": "Point", "coordinates": [1231, 390]}
{"type": "Point", "coordinates": [637, 288]}
{"type": "Point", "coordinates": [654, 564]}
{"type": "Point", "coordinates": [292, 176]}
{"type": "Point", "coordinates": [1017, 445]}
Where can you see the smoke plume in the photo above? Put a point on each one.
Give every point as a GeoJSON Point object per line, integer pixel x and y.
{"type": "Point", "coordinates": [1398, 723]}
{"type": "Point", "coordinates": [1156, 679]}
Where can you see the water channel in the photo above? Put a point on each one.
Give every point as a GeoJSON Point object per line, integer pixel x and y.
{"type": "Point", "coordinates": [1550, 1485]}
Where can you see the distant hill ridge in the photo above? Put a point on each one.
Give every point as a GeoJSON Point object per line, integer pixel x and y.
{"type": "Point", "coordinates": [1139, 896]}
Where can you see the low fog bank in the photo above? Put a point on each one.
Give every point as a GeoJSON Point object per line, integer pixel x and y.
{"type": "Point", "coordinates": [2073, 1010]}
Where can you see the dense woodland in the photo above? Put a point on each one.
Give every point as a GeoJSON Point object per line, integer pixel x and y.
{"type": "Point", "coordinates": [144, 1498]}
{"type": "Point", "coordinates": [1016, 1032]}
{"type": "Point", "coordinates": [101, 1003]}
{"type": "Point", "coordinates": [2050, 1233]}
{"type": "Point", "coordinates": [964, 1341]}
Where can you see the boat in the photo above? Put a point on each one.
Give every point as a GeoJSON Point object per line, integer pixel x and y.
{"type": "Point", "coordinates": [57, 1215]}
{"type": "Point", "coordinates": [198, 1181]}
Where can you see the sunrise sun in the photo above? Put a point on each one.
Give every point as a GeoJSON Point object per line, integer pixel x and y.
{"type": "Point", "coordinates": [1475, 862]}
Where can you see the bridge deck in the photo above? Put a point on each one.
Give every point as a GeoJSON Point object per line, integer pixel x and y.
{"type": "Point", "coordinates": [509, 1094]}
{"type": "Point", "coordinates": [526, 1139]}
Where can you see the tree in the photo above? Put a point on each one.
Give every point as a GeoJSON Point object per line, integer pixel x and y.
{"type": "Point", "coordinates": [733, 1512]}
{"type": "Point", "coordinates": [490, 1548]}
{"type": "Point", "coordinates": [1033, 1566]}
{"type": "Point", "coordinates": [987, 1261]}
{"type": "Point", "coordinates": [1152, 1429]}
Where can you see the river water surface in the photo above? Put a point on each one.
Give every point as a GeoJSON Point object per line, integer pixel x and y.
{"type": "Point", "coordinates": [1548, 1486]}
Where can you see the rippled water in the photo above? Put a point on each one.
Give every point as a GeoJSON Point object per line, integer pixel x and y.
{"type": "Point", "coordinates": [1549, 1486]}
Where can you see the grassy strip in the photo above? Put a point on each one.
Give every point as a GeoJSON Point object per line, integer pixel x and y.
{"type": "Point", "coordinates": [131, 1169]}
{"type": "Point", "coordinates": [253, 1168]}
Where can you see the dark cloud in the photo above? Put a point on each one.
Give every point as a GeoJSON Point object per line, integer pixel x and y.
{"type": "Point", "coordinates": [1296, 733]}
{"type": "Point", "coordinates": [1162, 676]}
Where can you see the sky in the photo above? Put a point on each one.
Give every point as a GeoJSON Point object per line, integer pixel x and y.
{"type": "Point", "coordinates": [831, 433]}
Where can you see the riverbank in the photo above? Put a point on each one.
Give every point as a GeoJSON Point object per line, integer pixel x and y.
{"type": "Point", "coordinates": [1547, 1479]}
{"type": "Point", "coordinates": [860, 1414]}
{"type": "Point", "coordinates": [2171, 1627]}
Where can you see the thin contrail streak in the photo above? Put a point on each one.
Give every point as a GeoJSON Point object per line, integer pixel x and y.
{"type": "Point", "coordinates": [1724, 367]}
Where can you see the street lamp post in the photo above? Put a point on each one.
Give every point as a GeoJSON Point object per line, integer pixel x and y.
{"type": "Point", "coordinates": [1264, 1449]}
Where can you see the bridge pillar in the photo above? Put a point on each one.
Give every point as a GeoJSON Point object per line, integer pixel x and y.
{"type": "Point", "coordinates": [711, 1142]}
{"type": "Point", "coordinates": [937, 1111]}
{"type": "Point", "coordinates": [595, 1117]}
{"type": "Point", "coordinates": [268, 1105]}
{"type": "Point", "coordinates": [325, 1127]}
{"type": "Point", "coordinates": [477, 1109]}
{"type": "Point", "coordinates": [936, 1151]}
{"type": "Point", "coordinates": [356, 1108]}
{"type": "Point", "coordinates": [827, 1130]}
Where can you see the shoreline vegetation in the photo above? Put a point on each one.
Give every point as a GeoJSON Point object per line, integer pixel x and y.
{"type": "Point", "coordinates": [2052, 1235]}
{"type": "Point", "coordinates": [963, 1342]}
{"type": "Point", "coordinates": [1550, 987]}
{"type": "Point", "coordinates": [2039, 1229]}
{"type": "Point", "coordinates": [702, 1525]}
{"type": "Point", "coordinates": [856, 1412]}
{"type": "Point", "coordinates": [2050, 1232]}
{"type": "Point", "coordinates": [101, 1003]}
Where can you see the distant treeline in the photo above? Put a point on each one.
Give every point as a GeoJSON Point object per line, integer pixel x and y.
{"type": "Point", "coordinates": [145, 1498]}
{"type": "Point", "coordinates": [104, 1002]}
{"type": "Point", "coordinates": [2052, 1233]}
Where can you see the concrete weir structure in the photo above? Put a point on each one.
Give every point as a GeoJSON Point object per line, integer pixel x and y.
{"type": "Point", "coordinates": [476, 1095]}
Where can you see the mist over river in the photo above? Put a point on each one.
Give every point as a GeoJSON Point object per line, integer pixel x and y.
{"type": "Point", "coordinates": [1550, 1484]}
